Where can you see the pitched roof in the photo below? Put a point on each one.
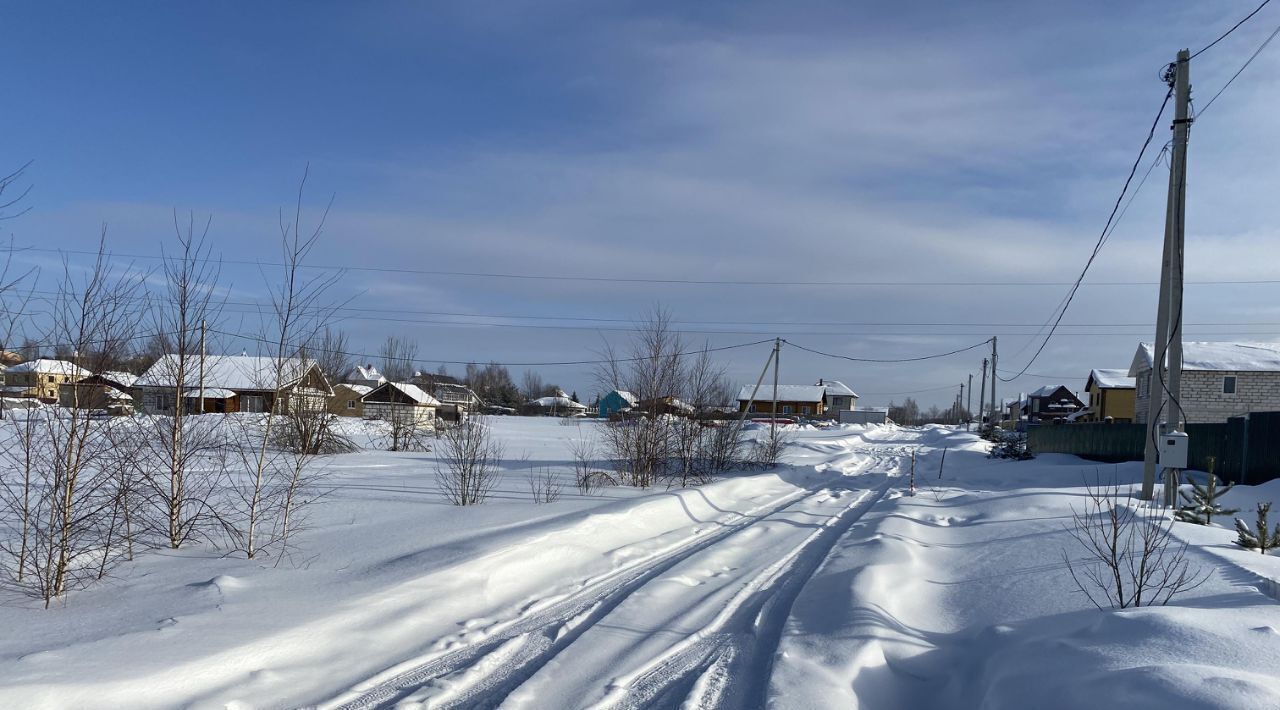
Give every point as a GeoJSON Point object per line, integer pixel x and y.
{"type": "Point", "coordinates": [358, 389]}
{"type": "Point", "coordinates": [836, 388]}
{"type": "Point", "coordinates": [786, 393]}
{"type": "Point", "coordinates": [412, 391]}
{"type": "Point", "coordinates": [1110, 379]}
{"type": "Point", "coordinates": [45, 366]}
{"type": "Point", "coordinates": [367, 372]}
{"type": "Point", "coordinates": [1047, 390]}
{"type": "Point", "coordinates": [1216, 357]}
{"type": "Point", "coordinates": [558, 403]}
{"type": "Point", "coordinates": [233, 372]}
{"type": "Point", "coordinates": [627, 397]}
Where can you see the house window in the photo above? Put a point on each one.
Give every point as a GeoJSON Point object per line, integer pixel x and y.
{"type": "Point", "coordinates": [752, 409]}
{"type": "Point", "coordinates": [1229, 384]}
{"type": "Point", "coordinates": [51, 378]}
{"type": "Point", "coordinates": [786, 409]}
{"type": "Point", "coordinates": [253, 403]}
{"type": "Point", "coordinates": [805, 410]}
{"type": "Point", "coordinates": [351, 404]}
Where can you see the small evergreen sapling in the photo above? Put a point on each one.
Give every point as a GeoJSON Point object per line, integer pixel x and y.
{"type": "Point", "coordinates": [1202, 502]}
{"type": "Point", "coordinates": [1263, 539]}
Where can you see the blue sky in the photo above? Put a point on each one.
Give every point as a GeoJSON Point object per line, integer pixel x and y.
{"type": "Point", "coordinates": [800, 142]}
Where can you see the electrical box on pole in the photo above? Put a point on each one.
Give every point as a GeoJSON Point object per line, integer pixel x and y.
{"type": "Point", "coordinates": [1173, 450]}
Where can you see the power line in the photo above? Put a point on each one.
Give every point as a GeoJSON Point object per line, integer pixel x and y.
{"type": "Point", "coordinates": [1239, 71]}
{"type": "Point", "coordinates": [371, 356]}
{"type": "Point", "coordinates": [887, 360]}
{"type": "Point", "coordinates": [1102, 238]}
{"type": "Point", "coordinates": [1234, 27]}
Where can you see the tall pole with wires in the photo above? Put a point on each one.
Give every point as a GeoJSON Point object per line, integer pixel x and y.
{"type": "Point", "coordinates": [773, 426]}
{"type": "Point", "coordinates": [982, 395]}
{"type": "Point", "coordinates": [968, 407]}
{"type": "Point", "coordinates": [1166, 356]}
{"type": "Point", "coordinates": [995, 404]}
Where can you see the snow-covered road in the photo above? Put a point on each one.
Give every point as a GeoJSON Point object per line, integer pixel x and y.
{"type": "Point", "coordinates": [818, 584]}
{"type": "Point", "coordinates": [697, 624]}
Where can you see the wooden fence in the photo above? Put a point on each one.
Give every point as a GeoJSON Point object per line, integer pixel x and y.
{"type": "Point", "coordinates": [1245, 449]}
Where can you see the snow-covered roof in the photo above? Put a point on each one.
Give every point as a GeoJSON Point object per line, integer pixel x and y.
{"type": "Point", "coordinates": [452, 392]}
{"type": "Point", "coordinates": [1111, 379]}
{"type": "Point", "coordinates": [125, 378]}
{"type": "Point", "coordinates": [367, 372]}
{"type": "Point", "coordinates": [1046, 390]}
{"type": "Point", "coordinates": [361, 390]}
{"type": "Point", "coordinates": [233, 372]}
{"type": "Point", "coordinates": [45, 366]}
{"type": "Point", "coordinates": [837, 388]}
{"type": "Point", "coordinates": [1216, 357]}
{"type": "Point", "coordinates": [628, 397]}
{"type": "Point", "coordinates": [786, 393]}
{"type": "Point", "coordinates": [558, 403]}
{"type": "Point", "coordinates": [412, 391]}
{"type": "Point", "coordinates": [210, 393]}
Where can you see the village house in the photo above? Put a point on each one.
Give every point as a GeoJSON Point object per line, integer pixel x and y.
{"type": "Point", "coordinates": [839, 398]}
{"type": "Point", "coordinates": [346, 400]}
{"type": "Point", "coordinates": [400, 403]}
{"type": "Point", "coordinates": [799, 400]}
{"type": "Point", "coordinates": [457, 401]}
{"type": "Point", "coordinates": [106, 390]}
{"type": "Point", "coordinates": [557, 405]}
{"type": "Point", "coordinates": [41, 378]}
{"type": "Point", "coordinates": [366, 375]}
{"type": "Point", "coordinates": [233, 383]}
{"type": "Point", "coordinates": [1111, 397]}
{"type": "Point", "coordinates": [614, 402]}
{"type": "Point", "coordinates": [1047, 405]}
{"type": "Point", "coordinates": [1219, 380]}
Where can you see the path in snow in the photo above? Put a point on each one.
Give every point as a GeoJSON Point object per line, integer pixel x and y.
{"type": "Point", "coordinates": [671, 631]}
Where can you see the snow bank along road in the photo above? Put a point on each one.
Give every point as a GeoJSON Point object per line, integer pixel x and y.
{"type": "Point", "coordinates": [816, 585]}
{"type": "Point", "coordinates": [692, 621]}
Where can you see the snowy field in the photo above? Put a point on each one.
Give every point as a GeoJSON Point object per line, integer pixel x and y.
{"type": "Point", "coordinates": [818, 584]}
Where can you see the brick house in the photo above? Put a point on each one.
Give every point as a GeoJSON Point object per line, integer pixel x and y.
{"type": "Point", "coordinates": [1219, 380]}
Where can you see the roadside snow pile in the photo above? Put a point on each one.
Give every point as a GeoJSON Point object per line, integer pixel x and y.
{"type": "Point", "coordinates": [960, 597]}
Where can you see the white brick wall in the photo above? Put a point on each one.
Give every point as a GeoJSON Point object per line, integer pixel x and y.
{"type": "Point", "coordinates": [1204, 402]}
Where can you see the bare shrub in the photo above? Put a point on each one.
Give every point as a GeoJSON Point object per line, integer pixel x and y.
{"type": "Point", "coordinates": [589, 477]}
{"type": "Point", "coordinates": [406, 431]}
{"type": "Point", "coordinates": [468, 462]}
{"type": "Point", "coordinates": [767, 450]}
{"type": "Point", "coordinates": [1131, 556]}
{"type": "Point", "coordinates": [544, 486]}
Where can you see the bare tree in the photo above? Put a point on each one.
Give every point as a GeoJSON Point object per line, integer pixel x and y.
{"type": "Point", "coordinates": [66, 508]}
{"type": "Point", "coordinates": [1131, 556]}
{"type": "Point", "coordinates": [177, 477]}
{"type": "Point", "coordinates": [398, 356]}
{"type": "Point", "coordinates": [468, 462]}
{"type": "Point", "coordinates": [533, 387]}
{"type": "Point", "coordinates": [332, 353]}
{"type": "Point", "coordinates": [266, 500]}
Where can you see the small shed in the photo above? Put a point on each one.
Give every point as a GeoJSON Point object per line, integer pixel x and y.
{"type": "Point", "coordinates": [347, 399]}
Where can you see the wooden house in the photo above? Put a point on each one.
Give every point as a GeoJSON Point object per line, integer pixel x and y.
{"type": "Point", "coordinates": [614, 402]}
{"type": "Point", "coordinates": [793, 400]}
{"type": "Point", "coordinates": [347, 400]}
{"type": "Point", "coordinates": [401, 403]}
{"type": "Point", "coordinates": [233, 383]}
{"type": "Point", "coordinates": [110, 391]}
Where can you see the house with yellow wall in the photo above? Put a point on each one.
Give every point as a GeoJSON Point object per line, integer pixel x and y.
{"type": "Point", "coordinates": [41, 378]}
{"type": "Point", "coordinates": [1111, 395]}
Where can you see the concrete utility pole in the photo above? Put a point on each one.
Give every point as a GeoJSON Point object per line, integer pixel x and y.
{"type": "Point", "coordinates": [982, 395]}
{"type": "Point", "coordinates": [773, 421]}
{"type": "Point", "coordinates": [968, 407]}
{"type": "Point", "coordinates": [1167, 355]}
{"type": "Point", "coordinates": [995, 403]}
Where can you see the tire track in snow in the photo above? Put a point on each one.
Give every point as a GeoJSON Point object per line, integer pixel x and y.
{"type": "Point", "coordinates": [465, 676]}
{"type": "Point", "coordinates": [740, 643]}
